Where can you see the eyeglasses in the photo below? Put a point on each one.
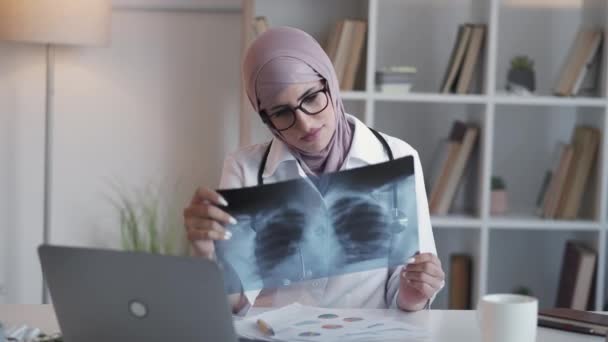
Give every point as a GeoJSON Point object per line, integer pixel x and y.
{"type": "Point", "coordinates": [285, 117]}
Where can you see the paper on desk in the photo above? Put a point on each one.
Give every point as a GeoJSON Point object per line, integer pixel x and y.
{"type": "Point", "coordinates": [298, 322]}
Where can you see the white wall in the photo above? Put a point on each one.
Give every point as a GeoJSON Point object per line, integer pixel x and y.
{"type": "Point", "coordinates": [4, 188]}
{"type": "Point", "coordinates": [4, 183]}
{"type": "Point", "coordinates": [161, 103]}
{"type": "Point", "coordinates": [21, 175]}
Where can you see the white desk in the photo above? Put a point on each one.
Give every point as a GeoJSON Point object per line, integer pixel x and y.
{"type": "Point", "coordinates": [453, 326]}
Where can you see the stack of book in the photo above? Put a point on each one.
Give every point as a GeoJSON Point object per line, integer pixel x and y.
{"type": "Point", "coordinates": [395, 80]}
{"type": "Point", "coordinates": [576, 284]}
{"type": "Point", "coordinates": [465, 58]}
{"type": "Point", "coordinates": [454, 156]}
{"type": "Point", "coordinates": [344, 48]}
{"type": "Point", "coordinates": [584, 56]}
{"type": "Point", "coordinates": [564, 185]}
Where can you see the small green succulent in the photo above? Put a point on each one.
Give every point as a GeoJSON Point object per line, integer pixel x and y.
{"type": "Point", "coordinates": [523, 290]}
{"type": "Point", "coordinates": [522, 62]}
{"type": "Point", "coordinates": [498, 183]}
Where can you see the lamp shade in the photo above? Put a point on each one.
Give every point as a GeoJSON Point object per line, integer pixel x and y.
{"type": "Point", "coordinates": [71, 22]}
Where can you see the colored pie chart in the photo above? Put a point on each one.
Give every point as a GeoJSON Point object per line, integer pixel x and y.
{"type": "Point", "coordinates": [353, 319]}
{"type": "Point", "coordinates": [331, 326]}
{"type": "Point", "coordinates": [328, 316]}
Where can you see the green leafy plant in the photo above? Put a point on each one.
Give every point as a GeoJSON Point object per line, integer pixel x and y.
{"type": "Point", "coordinates": [149, 220]}
{"type": "Point", "coordinates": [522, 62]}
{"type": "Point", "coordinates": [498, 183]}
{"type": "Point", "coordinates": [523, 290]}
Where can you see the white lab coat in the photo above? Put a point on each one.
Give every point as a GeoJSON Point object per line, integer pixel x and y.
{"type": "Point", "coordinates": [370, 289]}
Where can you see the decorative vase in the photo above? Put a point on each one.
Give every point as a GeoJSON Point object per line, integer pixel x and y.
{"type": "Point", "coordinates": [499, 202]}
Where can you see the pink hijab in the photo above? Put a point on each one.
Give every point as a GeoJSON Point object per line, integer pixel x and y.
{"type": "Point", "coordinates": [282, 56]}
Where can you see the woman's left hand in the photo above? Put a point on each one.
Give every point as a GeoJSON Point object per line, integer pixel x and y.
{"type": "Point", "coordinates": [420, 279]}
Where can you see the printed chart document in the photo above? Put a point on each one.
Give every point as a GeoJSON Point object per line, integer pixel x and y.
{"type": "Point", "coordinates": [298, 322]}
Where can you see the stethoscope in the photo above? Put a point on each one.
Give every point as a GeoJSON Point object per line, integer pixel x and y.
{"type": "Point", "coordinates": [399, 218]}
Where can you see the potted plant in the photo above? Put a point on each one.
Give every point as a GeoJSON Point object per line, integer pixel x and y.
{"type": "Point", "coordinates": [499, 198]}
{"type": "Point", "coordinates": [149, 221]}
{"type": "Point", "coordinates": [521, 79]}
{"type": "Point", "coordinates": [523, 290]}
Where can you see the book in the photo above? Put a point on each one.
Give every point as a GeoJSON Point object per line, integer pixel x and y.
{"type": "Point", "coordinates": [577, 148]}
{"type": "Point", "coordinates": [585, 141]}
{"type": "Point", "coordinates": [332, 42]}
{"type": "Point", "coordinates": [557, 182]}
{"type": "Point", "coordinates": [356, 48]}
{"type": "Point", "coordinates": [544, 186]}
{"type": "Point", "coordinates": [452, 59]}
{"type": "Point", "coordinates": [545, 189]}
{"type": "Point", "coordinates": [440, 155]}
{"type": "Point", "coordinates": [396, 80]}
{"type": "Point", "coordinates": [576, 275]}
{"type": "Point", "coordinates": [343, 49]}
{"type": "Point", "coordinates": [394, 88]}
{"type": "Point", "coordinates": [561, 88]}
{"type": "Point", "coordinates": [458, 53]}
{"type": "Point", "coordinates": [575, 61]}
{"type": "Point", "coordinates": [402, 74]}
{"type": "Point", "coordinates": [460, 282]}
{"type": "Point", "coordinates": [574, 320]}
{"type": "Point", "coordinates": [471, 60]}
{"type": "Point", "coordinates": [455, 175]}
{"type": "Point", "coordinates": [591, 301]}
{"type": "Point", "coordinates": [592, 56]}
{"type": "Point", "coordinates": [455, 139]}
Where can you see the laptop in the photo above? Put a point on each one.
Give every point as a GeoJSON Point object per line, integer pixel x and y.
{"type": "Point", "coordinates": [104, 295]}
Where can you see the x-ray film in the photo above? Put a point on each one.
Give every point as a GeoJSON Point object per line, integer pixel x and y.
{"type": "Point", "coordinates": [349, 221]}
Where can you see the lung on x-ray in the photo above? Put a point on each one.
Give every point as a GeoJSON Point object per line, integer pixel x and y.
{"type": "Point", "coordinates": [348, 221]}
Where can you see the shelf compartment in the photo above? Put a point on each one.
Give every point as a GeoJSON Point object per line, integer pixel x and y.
{"type": "Point", "coordinates": [545, 32]}
{"type": "Point", "coordinates": [318, 18]}
{"type": "Point", "coordinates": [457, 241]}
{"type": "Point", "coordinates": [421, 33]}
{"type": "Point", "coordinates": [527, 138]}
{"type": "Point", "coordinates": [426, 127]}
{"type": "Point", "coordinates": [530, 258]}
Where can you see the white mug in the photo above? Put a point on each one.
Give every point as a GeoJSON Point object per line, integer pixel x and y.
{"type": "Point", "coordinates": [507, 318]}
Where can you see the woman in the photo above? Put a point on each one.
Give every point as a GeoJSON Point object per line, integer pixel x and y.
{"type": "Point", "coordinates": [292, 84]}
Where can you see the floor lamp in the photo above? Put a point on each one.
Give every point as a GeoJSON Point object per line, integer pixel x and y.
{"type": "Point", "coordinates": [54, 22]}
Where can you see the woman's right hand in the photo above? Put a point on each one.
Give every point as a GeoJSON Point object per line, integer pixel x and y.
{"type": "Point", "coordinates": [205, 221]}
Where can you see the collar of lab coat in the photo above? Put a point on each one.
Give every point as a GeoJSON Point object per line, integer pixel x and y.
{"type": "Point", "coordinates": [365, 149]}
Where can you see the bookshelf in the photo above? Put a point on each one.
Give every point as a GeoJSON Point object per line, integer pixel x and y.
{"type": "Point", "coordinates": [518, 133]}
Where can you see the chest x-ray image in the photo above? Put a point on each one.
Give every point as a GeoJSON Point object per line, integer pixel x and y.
{"type": "Point", "coordinates": [348, 221]}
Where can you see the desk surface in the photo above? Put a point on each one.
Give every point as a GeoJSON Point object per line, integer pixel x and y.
{"type": "Point", "coordinates": [445, 325]}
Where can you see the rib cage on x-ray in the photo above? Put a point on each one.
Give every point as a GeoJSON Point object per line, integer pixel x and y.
{"type": "Point", "coordinates": [293, 231]}
{"type": "Point", "coordinates": [355, 228]}
{"type": "Point", "coordinates": [278, 237]}
{"type": "Point", "coordinates": [360, 228]}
